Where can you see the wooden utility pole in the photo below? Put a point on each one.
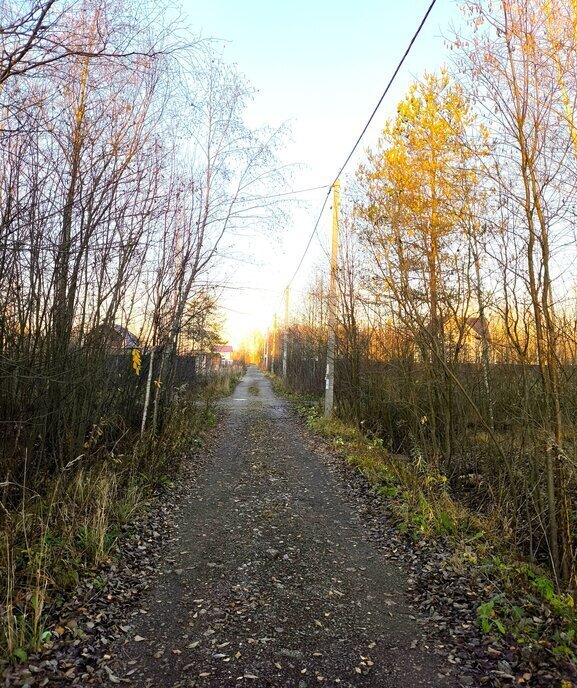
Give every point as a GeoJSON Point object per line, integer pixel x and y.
{"type": "Point", "coordinates": [331, 340]}
{"type": "Point", "coordinates": [285, 337]}
{"type": "Point", "coordinates": [273, 356]}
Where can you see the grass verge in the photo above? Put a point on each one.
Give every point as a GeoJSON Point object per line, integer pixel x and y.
{"type": "Point", "coordinates": [54, 539]}
{"type": "Point", "coordinates": [521, 604]}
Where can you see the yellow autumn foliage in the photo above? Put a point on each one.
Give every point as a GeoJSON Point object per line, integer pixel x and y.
{"type": "Point", "coordinates": [136, 361]}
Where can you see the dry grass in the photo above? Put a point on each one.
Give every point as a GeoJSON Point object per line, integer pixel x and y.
{"type": "Point", "coordinates": [422, 505]}
{"type": "Point", "coordinates": [417, 492]}
{"type": "Point", "coordinates": [53, 539]}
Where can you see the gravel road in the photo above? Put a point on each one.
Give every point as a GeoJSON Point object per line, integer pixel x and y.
{"type": "Point", "coordinates": [272, 580]}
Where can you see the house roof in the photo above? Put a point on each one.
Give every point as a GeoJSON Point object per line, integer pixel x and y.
{"type": "Point", "coordinates": [130, 340]}
{"type": "Point", "coordinates": [478, 326]}
{"type": "Point", "coordinates": [226, 349]}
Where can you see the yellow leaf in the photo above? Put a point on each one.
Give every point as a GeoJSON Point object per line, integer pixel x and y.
{"type": "Point", "coordinates": [136, 361]}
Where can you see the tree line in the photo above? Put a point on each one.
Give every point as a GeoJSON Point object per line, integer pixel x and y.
{"type": "Point", "coordinates": [457, 313]}
{"type": "Point", "coordinates": [125, 165]}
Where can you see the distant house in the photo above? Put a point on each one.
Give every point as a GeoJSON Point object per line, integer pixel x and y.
{"type": "Point", "coordinates": [118, 338]}
{"type": "Point", "coordinates": [225, 352]}
{"type": "Point", "coordinates": [479, 327]}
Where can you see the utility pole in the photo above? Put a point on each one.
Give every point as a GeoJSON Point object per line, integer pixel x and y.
{"type": "Point", "coordinates": [331, 340]}
{"type": "Point", "coordinates": [272, 358]}
{"type": "Point", "coordinates": [285, 337]}
{"type": "Point", "coordinates": [266, 352]}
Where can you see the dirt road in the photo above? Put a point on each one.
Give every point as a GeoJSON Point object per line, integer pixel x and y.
{"type": "Point", "coordinates": [272, 580]}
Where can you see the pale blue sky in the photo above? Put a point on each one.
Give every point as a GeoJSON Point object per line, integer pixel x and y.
{"type": "Point", "coordinates": [320, 67]}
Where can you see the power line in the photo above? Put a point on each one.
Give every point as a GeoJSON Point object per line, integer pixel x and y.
{"type": "Point", "coordinates": [360, 137]}
{"type": "Point", "coordinates": [309, 242]}
{"type": "Point", "coordinates": [388, 86]}
{"type": "Point", "coordinates": [286, 193]}
{"type": "Point", "coordinates": [243, 287]}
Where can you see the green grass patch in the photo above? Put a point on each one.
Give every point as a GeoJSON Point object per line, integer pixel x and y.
{"type": "Point", "coordinates": [417, 493]}
{"type": "Point", "coordinates": [521, 602]}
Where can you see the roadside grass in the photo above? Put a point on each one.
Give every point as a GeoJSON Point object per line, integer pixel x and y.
{"type": "Point", "coordinates": [521, 603]}
{"type": "Point", "coordinates": [53, 540]}
{"type": "Point", "coordinates": [521, 600]}
{"type": "Point", "coordinates": [222, 384]}
{"type": "Point", "coordinates": [282, 389]}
